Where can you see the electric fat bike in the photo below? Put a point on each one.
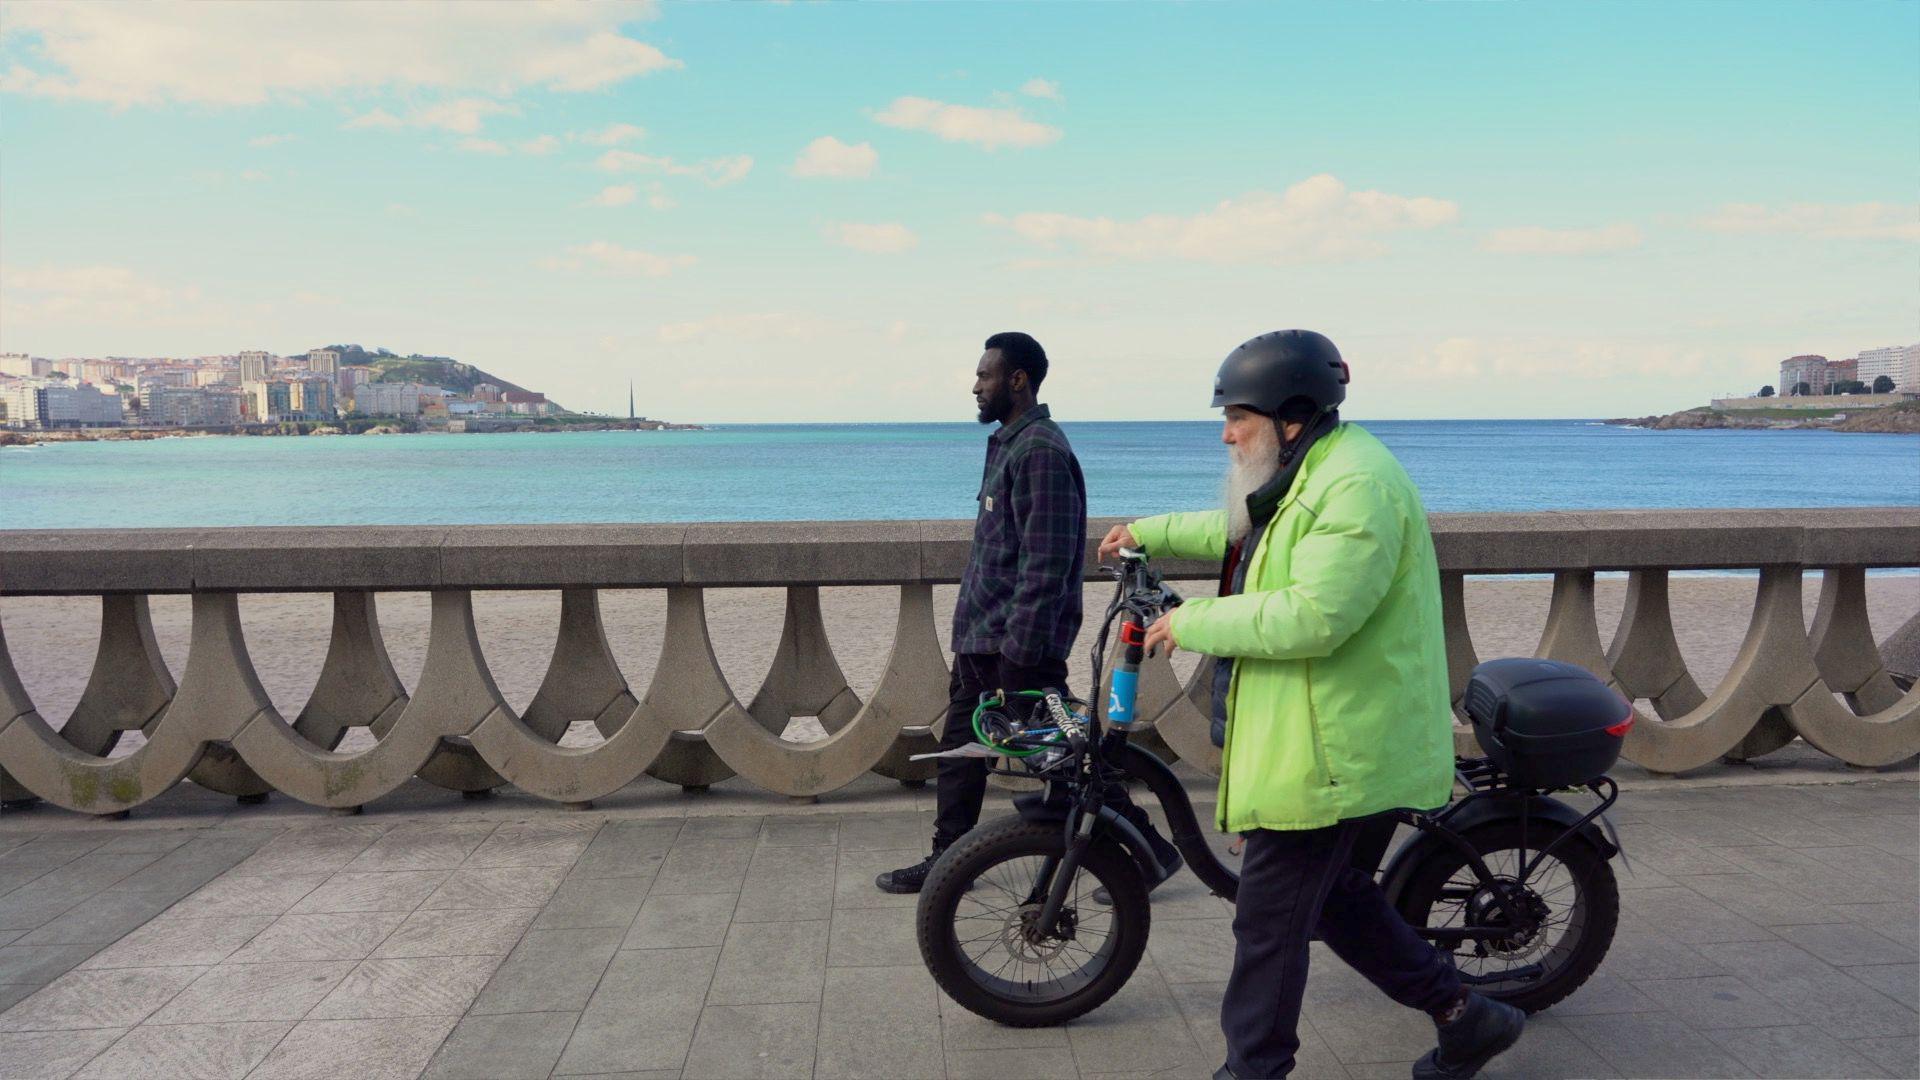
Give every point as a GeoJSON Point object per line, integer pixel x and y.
{"type": "Point", "coordinates": [1039, 917]}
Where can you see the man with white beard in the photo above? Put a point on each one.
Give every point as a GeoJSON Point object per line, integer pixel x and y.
{"type": "Point", "coordinates": [1330, 701]}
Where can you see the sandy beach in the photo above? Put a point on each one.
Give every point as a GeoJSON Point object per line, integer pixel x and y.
{"type": "Point", "coordinates": [53, 639]}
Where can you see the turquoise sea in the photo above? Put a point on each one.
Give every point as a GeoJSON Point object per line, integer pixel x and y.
{"type": "Point", "coordinates": [879, 471]}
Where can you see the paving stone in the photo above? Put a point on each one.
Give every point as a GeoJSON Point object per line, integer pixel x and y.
{"type": "Point", "coordinates": [1650, 954]}
{"type": "Point", "coordinates": [518, 1047]}
{"type": "Point", "coordinates": [535, 843]}
{"type": "Point", "coordinates": [115, 998]}
{"type": "Point", "coordinates": [319, 849]}
{"type": "Point", "coordinates": [550, 971]}
{"type": "Point", "coordinates": [47, 854]}
{"type": "Point", "coordinates": [1794, 1053]}
{"type": "Point", "coordinates": [1815, 993]}
{"type": "Point", "coordinates": [285, 991]}
{"type": "Point", "coordinates": [1720, 1001]}
{"type": "Point", "coordinates": [233, 895]}
{"type": "Point", "coordinates": [880, 1022]}
{"type": "Point", "coordinates": [627, 849]}
{"type": "Point", "coordinates": [1845, 944]}
{"type": "Point", "coordinates": [1040, 1063]}
{"type": "Point", "coordinates": [704, 866]}
{"type": "Point", "coordinates": [39, 901]}
{"type": "Point", "coordinates": [721, 827]}
{"type": "Point", "coordinates": [643, 1013]}
{"type": "Point", "coordinates": [1795, 870]}
{"type": "Point", "coordinates": [497, 887]}
{"type": "Point", "coordinates": [886, 832]}
{"type": "Point", "coordinates": [738, 1042]}
{"type": "Point", "coordinates": [186, 868]}
{"type": "Point", "coordinates": [336, 936]}
{"type": "Point", "coordinates": [1901, 982]}
{"type": "Point", "coordinates": [583, 902]}
{"type": "Point", "coordinates": [770, 964]}
{"type": "Point", "coordinates": [962, 1030]}
{"type": "Point", "coordinates": [13, 993]}
{"type": "Point", "coordinates": [1644, 1044]}
{"type": "Point", "coordinates": [209, 1051]}
{"type": "Point", "coordinates": [398, 890]}
{"type": "Point", "coordinates": [873, 937]}
{"type": "Point", "coordinates": [1141, 1029]}
{"type": "Point", "coordinates": [51, 1055]}
{"type": "Point", "coordinates": [1899, 923]}
{"type": "Point", "coordinates": [1604, 993]}
{"type": "Point", "coordinates": [407, 986]}
{"type": "Point", "coordinates": [38, 965]}
{"type": "Point", "coordinates": [12, 877]}
{"type": "Point", "coordinates": [1687, 917]}
{"type": "Point", "coordinates": [1192, 950]}
{"type": "Point", "coordinates": [800, 832]}
{"type": "Point", "coordinates": [168, 942]}
{"type": "Point", "coordinates": [161, 840]}
{"type": "Point", "coordinates": [853, 878]}
{"type": "Point", "coordinates": [457, 932]}
{"type": "Point", "coordinates": [787, 884]}
{"type": "Point", "coordinates": [99, 920]}
{"type": "Point", "coordinates": [1898, 1056]}
{"type": "Point", "coordinates": [682, 920]}
{"type": "Point", "coordinates": [1707, 828]}
{"type": "Point", "coordinates": [392, 1049]}
{"type": "Point", "coordinates": [435, 846]}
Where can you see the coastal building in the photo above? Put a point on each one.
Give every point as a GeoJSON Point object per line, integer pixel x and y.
{"type": "Point", "coordinates": [24, 366]}
{"type": "Point", "coordinates": [1810, 369]}
{"type": "Point", "coordinates": [387, 399]}
{"type": "Point", "coordinates": [164, 377]}
{"type": "Point", "coordinates": [350, 376]}
{"type": "Point", "coordinates": [174, 406]}
{"type": "Point", "coordinates": [213, 375]}
{"type": "Point", "coordinates": [106, 371]}
{"type": "Point", "coordinates": [1901, 363]}
{"type": "Point", "coordinates": [56, 403]}
{"type": "Point", "coordinates": [312, 397]}
{"type": "Point", "coordinates": [1840, 372]}
{"type": "Point", "coordinates": [269, 400]}
{"type": "Point", "coordinates": [485, 391]}
{"type": "Point", "coordinates": [255, 366]}
{"type": "Point", "coordinates": [323, 361]}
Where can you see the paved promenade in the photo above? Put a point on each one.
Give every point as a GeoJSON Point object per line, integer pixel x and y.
{"type": "Point", "coordinates": [1766, 931]}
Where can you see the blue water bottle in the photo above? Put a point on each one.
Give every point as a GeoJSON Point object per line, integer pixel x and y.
{"type": "Point", "coordinates": [1125, 684]}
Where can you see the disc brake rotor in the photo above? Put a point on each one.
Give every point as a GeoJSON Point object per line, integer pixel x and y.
{"type": "Point", "coordinates": [1020, 938]}
{"type": "Point", "coordinates": [1483, 909]}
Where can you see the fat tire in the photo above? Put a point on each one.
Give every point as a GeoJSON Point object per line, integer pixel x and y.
{"type": "Point", "coordinates": [1596, 890]}
{"type": "Point", "coordinates": [994, 843]}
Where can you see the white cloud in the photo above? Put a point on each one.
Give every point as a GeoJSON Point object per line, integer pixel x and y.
{"type": "Point", "coordinates": [482, 146]}
{"type": "Point", "coordinates": [1534, 240]}
{"type": "Point", "coordinates": [270, 140]}
{"type": "Point", "coordinates": [609, 256]}
{"type": "Point", "coordinates": [42, 299]}
{"type": "Point", "coordinates": [828, 157]}
{"type": "Point", "coordinates": [884, 238]}
{"type": "Point", "coordinates": [1553, 358]}
{"type": "Point", "coordinates": [247, 54]}
{"type": "Point", "coordinates": [253, 175]}
{"type": "Point", "coordinates": [611, 135]}
{"type": "Point", "coordinates": [658, 198]}
{"type": "Point", "coordinates": [1854, 221]}
{"type": "Point", "coordinates": [614, 195]}
{"type": "Point", "coordinates": [539, 147]}
{"type": "Point", "coordinates": [1042, 88]}
{"type": "Point", "coordinates": [717, 172]}
{"type": "Point", "coordinates": [1317, 218]}
{"type": "Point", "coordinates": [989, 128]}
{"type": "Point", "coordinates": [462, 116]}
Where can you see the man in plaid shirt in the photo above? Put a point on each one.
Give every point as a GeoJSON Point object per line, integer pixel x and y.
{"type": "Point", "coordinates": [1019, 607]}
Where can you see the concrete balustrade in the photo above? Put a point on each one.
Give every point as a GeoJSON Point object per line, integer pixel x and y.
{"type": "Point", "coordinates": [218, 727]}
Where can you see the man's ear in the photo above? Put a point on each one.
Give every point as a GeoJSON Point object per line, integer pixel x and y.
{"type": "Point", "coordinates": [1017, 380]}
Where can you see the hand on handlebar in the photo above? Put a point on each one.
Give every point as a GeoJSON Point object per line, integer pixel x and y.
{"type": "Point", "coordinates": [1117, 537]}
{"type": "Point", "coordinates": [1161, 633]}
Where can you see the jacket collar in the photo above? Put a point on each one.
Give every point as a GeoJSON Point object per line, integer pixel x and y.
{"type": "Point", "coordinates": [1276, 494]}
{"type": "Point", "coordinates": [1008, 431]}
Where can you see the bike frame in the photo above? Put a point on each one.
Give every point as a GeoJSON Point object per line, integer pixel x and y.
{"type": "Point", "coordinates": [1098, 758]}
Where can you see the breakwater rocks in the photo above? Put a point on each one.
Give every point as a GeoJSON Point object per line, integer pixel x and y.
{"type": "Point", "coordinates": [1901, 419]}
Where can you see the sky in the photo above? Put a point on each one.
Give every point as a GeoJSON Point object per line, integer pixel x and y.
{"type": "Point", "coordinates": [817, 212]}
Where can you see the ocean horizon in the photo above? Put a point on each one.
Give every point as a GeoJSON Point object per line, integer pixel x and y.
{"type": "Point", "coordinates": [867, 471]}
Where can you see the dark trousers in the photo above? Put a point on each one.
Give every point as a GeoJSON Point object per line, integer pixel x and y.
{"type": "Point", "coordinates": [963, 781]}
{"type": "Point", "coordinates": [1295, 886]}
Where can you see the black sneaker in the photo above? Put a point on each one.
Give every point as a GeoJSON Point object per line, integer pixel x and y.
{"type": "Point", "coordinates": [908, 879]}
{"type": "Point", "coordinates": [1484, 1030]}
{"type": "Point", "coordinates": [1172, 866]}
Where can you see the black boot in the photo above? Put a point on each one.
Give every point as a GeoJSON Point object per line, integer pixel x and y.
{"type": "Point", "coordinates": [1483, 1031]}
{"type": "Point", "coordinates": [909, 879]}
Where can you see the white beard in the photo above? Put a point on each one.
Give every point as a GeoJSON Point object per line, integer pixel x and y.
{"type": "Point", "coordinates": [1250, 466]}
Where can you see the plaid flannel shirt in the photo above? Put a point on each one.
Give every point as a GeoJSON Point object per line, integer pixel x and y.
{"type": "Point", "coordinates": [1020, 594]}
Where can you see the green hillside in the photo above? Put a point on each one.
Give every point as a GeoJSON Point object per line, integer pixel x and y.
{"type": "Point", "coordinates": [442, 371]}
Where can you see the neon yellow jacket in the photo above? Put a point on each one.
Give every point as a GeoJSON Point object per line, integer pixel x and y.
{"type": "Point", "coordinates": [1338, 706]}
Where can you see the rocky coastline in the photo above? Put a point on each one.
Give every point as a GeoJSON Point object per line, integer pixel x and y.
{"type": "Point", "coordinates": [1901, 419]}
{"type": "Point", "coordinates": [384, 427]}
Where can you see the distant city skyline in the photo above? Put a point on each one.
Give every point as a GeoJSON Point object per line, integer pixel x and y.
{"type": "Point", "coordinates": [817, 212]}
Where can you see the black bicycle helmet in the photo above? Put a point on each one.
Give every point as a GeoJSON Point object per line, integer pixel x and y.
{"type": "Point", "coordinates": [1268, 371]}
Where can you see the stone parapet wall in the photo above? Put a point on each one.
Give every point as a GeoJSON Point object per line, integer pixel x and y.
{"type": "Point", "coordinates": [1833, 685]}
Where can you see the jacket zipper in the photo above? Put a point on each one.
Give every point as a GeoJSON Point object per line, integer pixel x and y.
{"type": "Point", "coordinates": [1313, 723]}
